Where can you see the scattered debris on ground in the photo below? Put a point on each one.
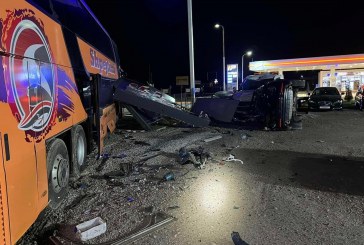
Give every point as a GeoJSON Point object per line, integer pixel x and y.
{"type": "Point", "coordinates": [231, 158]}
{"type": "Point", "coordinates": [212, 139]}
{"type": "Point", "coordinates": [237, 239]}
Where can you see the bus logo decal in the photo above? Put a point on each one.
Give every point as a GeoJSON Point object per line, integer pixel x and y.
{"type": "Point", "coordinates": [31, 74]}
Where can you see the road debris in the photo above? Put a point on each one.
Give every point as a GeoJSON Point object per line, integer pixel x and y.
{"type": "Point", "coordinates": [90, 229]}
{"type": "Point", "coordinates": [197, 156]}
{"type": "Point", "coordinates": [173, 207]}
{"type": "Point", "coordinates": [130, 199]}
{"type": "Point", "coordinates": [237, 239]}
{"type": "Point", "coordinates": [231, 158]}
{"type": "Point", "coordinates": [79, 200]}
{"type": "Point", "coordinates": [150, 224]}
{"type": "Point", "coordinates": [108, 155]}
{"type": "Point", "coordinates": [212, 139]}
{"type": "Point", "coordinates": [245, 136]}
{"type": "Point", "coordinates": [143, 143]}
{"type": "Point", "coordinates": [149, 209]}
{"type": "Point", "coordinates": [169, 176]}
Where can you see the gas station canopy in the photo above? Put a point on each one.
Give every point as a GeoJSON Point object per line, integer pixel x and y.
{"type": "Point", "coordinates": [354, 61]}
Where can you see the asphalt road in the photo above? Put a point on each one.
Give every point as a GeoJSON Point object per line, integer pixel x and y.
{"type": "Point", "coordinates": [273, 198]}
{"type": "Point", "coordinates": [279, 196]}
{"type": "Point", "coordinates": [294, 187]}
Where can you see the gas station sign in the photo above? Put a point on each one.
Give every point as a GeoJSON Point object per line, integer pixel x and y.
{"type": "Point", "coordinates": [232, 76]}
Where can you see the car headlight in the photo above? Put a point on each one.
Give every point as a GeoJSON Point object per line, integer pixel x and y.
{"type": "Point", "coordinates": [311, 102]}
{"type": "Point", "coordinates": [338, 102]}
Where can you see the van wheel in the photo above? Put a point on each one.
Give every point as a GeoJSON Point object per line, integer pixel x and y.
{"type": "Point", "coordinates": [79, 150]}
{"type": "Point", "coordinates": [287, 106]}
{"type": "Point", "coordinates": [58, 172]}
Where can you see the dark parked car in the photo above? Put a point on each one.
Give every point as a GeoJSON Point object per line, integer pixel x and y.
{"type": "Point", "coordinates": [359, 100]}
{"type": "Point", "coordinates": [325, 98]}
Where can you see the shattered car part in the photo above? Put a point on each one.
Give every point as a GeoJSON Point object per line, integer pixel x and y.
{"type": "Point", "coordinates": [169, 176]}
{"type": "Point", "coordinates": [237, 239]}
{"type": "Point", "coordinates": [231, 158]}
{"type": "Point", "coordinates": [197, 156]}
{"type": "Point", "coordinates": [90, 229]}
{"type": "Point", "coordinates": [212, 139]}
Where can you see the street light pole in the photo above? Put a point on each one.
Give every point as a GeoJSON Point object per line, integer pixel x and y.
{"type": "Point", "coordinates": [223, 54]}
{"type": "Point", "coordinates": [249, 53]}
{"type": "Point", "coordinates": [192, 60]}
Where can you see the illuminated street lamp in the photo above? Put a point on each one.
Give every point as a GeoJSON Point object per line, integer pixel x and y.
{"type": "Point", "coordinates": [217, 26]}
{"type": "Point", "coordinates": [248, 53]}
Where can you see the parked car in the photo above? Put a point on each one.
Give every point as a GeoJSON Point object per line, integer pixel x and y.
{"type": "Point", "coordinates": [325, 98]}
{"type": "Point", "coordinates": [303, 94]}
{"type": "Point", "coordinates": [359, 103]}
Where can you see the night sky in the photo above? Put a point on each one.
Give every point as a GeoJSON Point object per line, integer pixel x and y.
{"type": "Point", "coordinates": [155, 32]}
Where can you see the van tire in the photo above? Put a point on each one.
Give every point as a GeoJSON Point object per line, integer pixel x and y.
{"type": "Point", "coordinates": [287, 106]}
{"type": "Point", "coordinates": [58, 172]}
{"type": "Point", "coordinates": [79, 150]}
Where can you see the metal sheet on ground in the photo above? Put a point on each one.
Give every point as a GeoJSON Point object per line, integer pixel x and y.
{"type": "Point", "coordinates": [222, 110]}
{"type": "Point", "coordinates": [131, 95]}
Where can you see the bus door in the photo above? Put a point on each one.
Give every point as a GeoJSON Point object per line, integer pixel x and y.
{"type": "Point", "coordinates": [18, 145]}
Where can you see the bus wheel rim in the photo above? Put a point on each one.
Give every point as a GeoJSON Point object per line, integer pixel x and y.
{"type": "Point", "coordinates": [60, 173]}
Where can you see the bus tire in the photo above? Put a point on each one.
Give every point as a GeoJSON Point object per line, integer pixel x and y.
{"type": "Point", "coordinates": [79, 150]}
{"type": "Point", "coordinates": [58, 172]}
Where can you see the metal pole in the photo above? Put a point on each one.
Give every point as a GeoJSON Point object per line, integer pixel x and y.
{"type": "Point", "coordinates": [192, 65]}
{"type": "Point", "coordinates": [242, 68]}
{"type": "Point", "coordinates": [223, 56]}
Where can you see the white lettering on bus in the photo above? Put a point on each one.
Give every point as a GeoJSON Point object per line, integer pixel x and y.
{"type": "Point", "coordinates": [101, 64]}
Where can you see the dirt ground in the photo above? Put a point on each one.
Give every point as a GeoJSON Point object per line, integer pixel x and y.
{"type": "Point", "coordinates": [294, 187]}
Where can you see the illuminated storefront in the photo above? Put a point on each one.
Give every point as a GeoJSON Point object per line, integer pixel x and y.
{"type": "Point", "coordinates": [344, 79]}
{"type": "Point", "coordinates": [346, 72]}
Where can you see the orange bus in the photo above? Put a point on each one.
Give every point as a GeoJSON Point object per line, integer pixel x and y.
{"type": "Point", "coordinates": [57, 67]}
